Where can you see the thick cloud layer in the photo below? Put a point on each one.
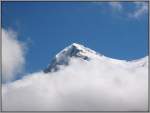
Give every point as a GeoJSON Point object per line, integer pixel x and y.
{"type": "Point", "coordinates": [96, 85]}
{"type": "Point", "coordinates": [12, 55]}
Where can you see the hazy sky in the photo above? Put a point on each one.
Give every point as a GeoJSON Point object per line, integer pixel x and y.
{"type": "Point", "coordinates": [115, 29]}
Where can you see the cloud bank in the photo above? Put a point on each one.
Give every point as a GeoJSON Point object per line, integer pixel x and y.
{"type": "Point", "coordinates": [96, 85]}
{"type": "Point", "coordinates": [13, 52]}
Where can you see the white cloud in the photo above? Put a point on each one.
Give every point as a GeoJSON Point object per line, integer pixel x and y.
{"type": "Point", "coordinates": [99, 85]}
{"type": "Point", "coordinates": [117, 6]}
{"type": "Point", "coordinates": [12, 55]}
{"type": "Point", "coordinates": [141, 8]}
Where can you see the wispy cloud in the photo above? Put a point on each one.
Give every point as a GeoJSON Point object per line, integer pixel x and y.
{"type": "Point", "coordinates": [13, 52]}
{"type": "Point", "coordinates": [117, 6]}
{"type": "Point", "coordinates": [141, 8]}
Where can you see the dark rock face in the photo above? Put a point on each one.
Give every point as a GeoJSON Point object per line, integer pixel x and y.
{"type": "Point", "coordinates": [64, 57]}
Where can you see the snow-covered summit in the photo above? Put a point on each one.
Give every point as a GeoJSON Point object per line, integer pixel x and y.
{"type": "Point", "coordinates": [74, 50]}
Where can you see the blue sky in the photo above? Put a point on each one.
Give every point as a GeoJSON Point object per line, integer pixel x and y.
{"type": "Point", "coordinates": [117, 30]}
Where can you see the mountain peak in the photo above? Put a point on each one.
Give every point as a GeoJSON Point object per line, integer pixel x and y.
{"type": "Point", "coordinates": [74, 50]}
{"type": "Point", "coordinates": [76, 44]}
